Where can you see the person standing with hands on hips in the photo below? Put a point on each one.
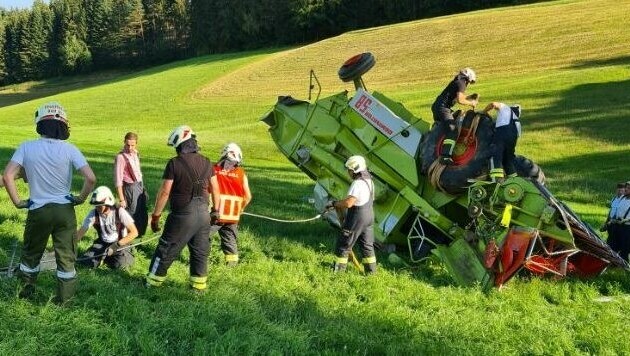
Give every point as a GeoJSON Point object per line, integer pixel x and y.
{"type": "Point", "coordinates": [186, 183]}
{"type": "Point", "coordinates": [48, 163]}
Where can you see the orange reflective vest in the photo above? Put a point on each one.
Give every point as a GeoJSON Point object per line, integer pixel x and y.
{"type": "Point", "coordinates": [231, 193]}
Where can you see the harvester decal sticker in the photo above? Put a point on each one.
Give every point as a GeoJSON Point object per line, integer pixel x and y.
{"type": "Point", "coordinates": [383, 119]}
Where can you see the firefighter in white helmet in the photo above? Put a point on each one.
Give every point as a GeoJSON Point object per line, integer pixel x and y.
{"type": "Point", "coordinates": [115, 229]}
{"type": "Point", "coordinates": [358, 221]}
{"type": "Point", "coordinates": [454, 93]}
{"type": "Point", "coordinates": [185, 184]}
{"type": "Point", "coordinates": [48, 163]}
{"type": "Point", "coordinates": [234, 195]}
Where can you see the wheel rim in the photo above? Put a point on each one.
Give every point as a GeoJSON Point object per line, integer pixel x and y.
{"type": "Point", "coordinates": [465, 148]}
{"type": "Point", "coordinates": [352, 60]}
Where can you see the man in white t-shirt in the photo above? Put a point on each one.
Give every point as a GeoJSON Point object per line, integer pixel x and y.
{"type": "Point", "coordinates": [48, 163]}
{"type": "Point", "coordinates": [506, 133]}
{"type": "Point", "coordinates": [115, 228]}
{"type": "Point", "coordinates": [358, 222]}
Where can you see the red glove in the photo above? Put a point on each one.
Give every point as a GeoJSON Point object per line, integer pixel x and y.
{"type": "Point", "coordinates": [155, 223]}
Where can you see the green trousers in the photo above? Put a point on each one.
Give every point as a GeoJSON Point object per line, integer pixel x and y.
{"type": "Point", "coordinates": [58, 221]}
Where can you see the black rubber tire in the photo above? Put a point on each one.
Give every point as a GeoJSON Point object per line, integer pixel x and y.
{"type": "Point", "coordinates": [356, 66]}
{"type": "Point", "coordinates": [455, 178]}
{"type": "Point", "coordinates": [525, 167]}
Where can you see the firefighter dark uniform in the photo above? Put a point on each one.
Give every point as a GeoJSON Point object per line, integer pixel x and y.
{"type": "Point", "coordinates": [442, 111]}
{"type": "Point", "coordinates": [358, 224]}
{"type": "Point", "coordinates": [188, 222]}
{"type": "Point", "coordinates": [232, 199]}
{"type": "Point", "coordinates": [506, 133]}
{"type": "Point", "coordinates": [609, 226]}
{"type": "Point", "coordinates": [621, 223]}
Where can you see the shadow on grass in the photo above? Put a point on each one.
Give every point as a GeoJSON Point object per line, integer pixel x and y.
{"type": "Point", "coordinates": [618, 61]}
{"type": "Point", "coordinates": [596, 110]}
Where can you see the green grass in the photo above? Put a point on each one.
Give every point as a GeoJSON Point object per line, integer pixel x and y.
{"type": "Point", "coordinates": [566, 62]}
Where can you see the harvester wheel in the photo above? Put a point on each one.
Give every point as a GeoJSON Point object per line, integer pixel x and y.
{"type": "Point", "coordinates": [470, 157]}
{"type": "Point", "coordinates": [356, 66]}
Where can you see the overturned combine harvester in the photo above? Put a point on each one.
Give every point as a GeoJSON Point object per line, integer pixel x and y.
{"type": "Point", "coordinates": [483, 232]}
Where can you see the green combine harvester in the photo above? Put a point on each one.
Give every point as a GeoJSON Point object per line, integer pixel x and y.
{"type": "Point", "coordinates": [483, 232]}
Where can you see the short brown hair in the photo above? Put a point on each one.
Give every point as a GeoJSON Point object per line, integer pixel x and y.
{"type": "Point", "coordinates": [131, 136]}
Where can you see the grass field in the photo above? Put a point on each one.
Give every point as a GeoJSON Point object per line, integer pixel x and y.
{"type": "Point", "coordinates": [566, 62]}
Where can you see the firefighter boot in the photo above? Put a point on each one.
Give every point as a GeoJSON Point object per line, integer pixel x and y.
{"type": "Point", "coordinates": [231, 260]}
{"type": "Point", "coordinates": [446, 155]}
{"type": "Point", "coordinates": [369, 268]}
{"type": "Point", "coordinates": [339, 267]}
{"type": "Point", "coordinates": [369, 265]}
{"type": "Point", "coordinates": [199, 283]}
{"type": "Point", "coordinates": [27, 282]}
{"type": "Point", "coordinates": [65, 290]}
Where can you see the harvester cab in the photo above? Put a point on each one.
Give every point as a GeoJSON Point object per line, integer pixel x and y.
{"type": "Point", "coordinates": [484, 232]}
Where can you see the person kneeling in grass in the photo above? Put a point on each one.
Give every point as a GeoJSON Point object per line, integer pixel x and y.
{"type": "Point", "coordinates": [115, 229]}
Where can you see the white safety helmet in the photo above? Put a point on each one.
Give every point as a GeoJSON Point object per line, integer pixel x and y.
{"type": "Point", "coordinates": [232, 152]}
{"type": "Point", "coordinates": [179, 135]}
{"type": "Point", "coordinates": [356, 164]}
{"type": "Point", "coordinates": [52, 110]}
{"type": "Point", "coordinates": [102, 196]}
{"type": "Point", "coordinates": [469, 73]}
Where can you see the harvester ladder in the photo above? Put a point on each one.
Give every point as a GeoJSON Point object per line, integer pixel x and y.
{"type": "Point", "coordinates": [417, 233]}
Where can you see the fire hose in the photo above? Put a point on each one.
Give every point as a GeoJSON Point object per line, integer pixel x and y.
{"type": "Point", "coordinates": [8, 271]}
{"type": "Point", "coordinates": [353, 257]}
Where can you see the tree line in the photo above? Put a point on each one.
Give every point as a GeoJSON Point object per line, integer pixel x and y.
{"type": "Point", "coordinates": [65, 37]}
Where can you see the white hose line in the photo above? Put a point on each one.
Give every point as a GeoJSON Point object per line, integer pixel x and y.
{"type": "Point", "coordinates": [282, 220]}
{"type": "Point", "coordinates": [9, 270]}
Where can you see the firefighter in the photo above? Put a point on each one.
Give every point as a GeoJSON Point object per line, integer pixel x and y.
{"type": "Point", "coordinates": [506, 133]}
{"type": "Point", "coordinates": [234, 195]}
{"type": "Point", "coordinates": [128, 182]}
{"type": "Point", "coordinates": [358, 222]}
{"type": "Point", "coordinates": [186, 182]}
{"type": "Point", "coordinates": [48, 163]}
{"type": "Point", "coordinates": [621, 222]}
{"type": "Point", "coordinates": [115, 228]}
{"type": "Point", "coordinates": [614, 203]}
{"type": "Point", "coordinates": [442, 112]}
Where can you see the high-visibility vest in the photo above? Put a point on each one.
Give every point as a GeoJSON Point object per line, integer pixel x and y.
{"type": "Point", "coordinates": [231, 193]}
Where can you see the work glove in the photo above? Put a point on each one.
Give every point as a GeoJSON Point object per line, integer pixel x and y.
{"type": "Point", "coordinates": [75, 199]}
{"type": "Point", "coordinates": [214, 216]}
{"type": "Point", "coordinates": [113, 248]}
{"type": "Point", "coordinates": [155, 223]}
{"type": "Point", "coordinates": [603, 228]}
{"type": "Point", "coordinates": [24, 204]}
{"type": "Point", "coordinates": [330, 205]}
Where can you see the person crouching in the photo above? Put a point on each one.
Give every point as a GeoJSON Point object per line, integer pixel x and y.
{"type": "Point", "coordinates": [115, 228]}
